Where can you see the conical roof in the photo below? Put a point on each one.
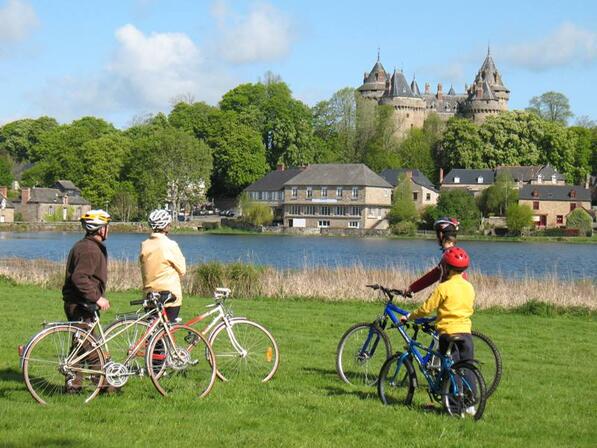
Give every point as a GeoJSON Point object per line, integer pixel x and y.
{"type": "Point", "coordinates": [399, 86]}
{"type": "Point", "coordinates": [414, 87]}
{"type": "Point", "coordinates": [451, 91]}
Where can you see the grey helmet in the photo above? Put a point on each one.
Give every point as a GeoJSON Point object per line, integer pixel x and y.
{"type": "Point", "coordinates": [159, 219]}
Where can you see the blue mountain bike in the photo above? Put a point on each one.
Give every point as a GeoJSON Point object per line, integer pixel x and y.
{"type": "Point", "coordinates": [365, 346]}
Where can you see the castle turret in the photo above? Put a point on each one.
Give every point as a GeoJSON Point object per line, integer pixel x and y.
{"type": "Point", "coordinates": [374, 83]}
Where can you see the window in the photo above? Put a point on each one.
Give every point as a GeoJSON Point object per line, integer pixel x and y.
{"type": "Point", "coordinates": [553, 179]}
{"type": "Point", "coordinates": [323, 223]}
{"type": "Point", "coordinates": [325, 210]}
{"type": "Point", "coordinates": [373, 212]}
{"type": "Point", "coordinates": [354, 224]}
{"type": "Point", "coordinates": [309, 192]}
{"type": "Point", "coordinates": [309, 210]}
{"type": "Point", "coordinates": [51, 210]}
{"type": "Point", "coordinates": [324, 192]}
{"type": "Point", "coordinates": [339, 192]}
{"type": "Point", "coordinates": [355, 211]}
{"type": "Point", "coordinates": [294, 192]}
{"type": "Point", "coordinates": [260, 195]}
{"type": "Point", "coordinates": [295, 209]}
{"type": "Point", "coordinates": [339, 210]}
{"type": "Point", "coordinates": [540, 178]}
{"type": "Point", "coordinates": [535, 205]}
{"type": "Point", "coordinates": [560, 219]}
{"type": "Point", "coordinates": [572, 206]}
{"type": "Point", "coordinates": [480, 179]}
{"type": "Point", "coordinates": [457, 180]}
{"type": "Point", "coordinates": [428, 196]}
{"type": "Point", "coordinates": [355, 192]}
{"type": "Point", "coordinates": [415, 195]}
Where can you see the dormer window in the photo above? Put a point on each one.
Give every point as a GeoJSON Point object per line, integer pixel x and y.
{"type": "Point", "coordinates": [553, 179]}
{"type": "Point", "coordinates": [572, 193]}
{"type": "Point", "coordinates": [535, 194]}
{"type": "Point", "coordinates": [457, 180]}
{"type": "Point", "coordinates": [480, 179]}
{"type": "Point", "coordinates": [540, 178]}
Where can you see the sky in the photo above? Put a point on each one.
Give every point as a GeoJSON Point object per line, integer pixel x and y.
{"type": "Point", "coordinates": [121, 60]}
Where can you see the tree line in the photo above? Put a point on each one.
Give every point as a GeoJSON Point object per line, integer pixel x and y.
{"type": "Point", "coordinates": [197, 150]}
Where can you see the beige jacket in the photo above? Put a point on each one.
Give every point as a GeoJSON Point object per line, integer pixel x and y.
{"type": "Point", "coordinates": [162, 266]}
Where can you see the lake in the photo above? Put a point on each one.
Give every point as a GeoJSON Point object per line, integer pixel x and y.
{"type": "Point", "coordinates": [567, 261]}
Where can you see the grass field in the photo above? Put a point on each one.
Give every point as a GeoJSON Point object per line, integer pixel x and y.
{"type": "Point", "coordinates": [547, 396]}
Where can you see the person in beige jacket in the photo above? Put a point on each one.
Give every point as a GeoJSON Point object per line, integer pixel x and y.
{"type": "Point", "coordinates": [162, 262]}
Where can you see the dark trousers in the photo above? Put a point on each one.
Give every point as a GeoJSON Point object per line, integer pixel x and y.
{"type": "Point", "coordinates": [462, 350]}
{"type": "Point", "coordinates": [76, 313]}
{"type": "Point", "coordinates": [172, 312]}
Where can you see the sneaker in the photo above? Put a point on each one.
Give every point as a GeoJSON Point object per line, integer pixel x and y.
{"type": "Point", "coordinates": [471, 410]}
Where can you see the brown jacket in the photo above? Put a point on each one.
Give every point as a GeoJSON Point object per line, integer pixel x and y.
{"type": "Point", "coordinates": [86, 272]}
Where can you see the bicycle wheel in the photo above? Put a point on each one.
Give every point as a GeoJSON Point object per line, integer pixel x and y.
{"type": "Point", "coordinates": [122, 338]}
{"type": "Point", "coordinates": [397, 381]}
{"type": "Point", "coordinates": [50, 378]}
{"type": "Point", "coordinates": [361, 352]}
{"type": "Point", "coordinates": [187, 367]}
{"type": "Point", "coordinates": [489, 359]}
{"type": "Point", "coordinates": [253, 355]}
{"type": "Point", "coordinates": [463, 391]}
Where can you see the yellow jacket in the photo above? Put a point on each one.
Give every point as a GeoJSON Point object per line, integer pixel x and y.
{"type": "Point", "coordinates": [162, 266]}
{"type": "Point", "coordinates": [453, 300]}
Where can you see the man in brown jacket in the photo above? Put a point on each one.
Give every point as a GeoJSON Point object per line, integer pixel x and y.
{"type": "Point", "coordinates": [87, 270]}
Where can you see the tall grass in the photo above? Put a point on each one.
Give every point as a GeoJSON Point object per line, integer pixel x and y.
{"type": "Point", "coordinates": [330, 284]}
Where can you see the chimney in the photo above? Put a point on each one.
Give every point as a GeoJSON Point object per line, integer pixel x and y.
{"type": "Point", "coordinates": [427, 88]}
{"type": "Point", "coordinates": [65, 199]}
{"type": "Point", "coordinates": [408, 174]}
{"type": "Point", "coordinates": [439, 91]}
{"type": "Point", "coordinates": [587, 181]}
{"type": "Point", "coordinates": [280, 167]}
{"type": "Point", "coordinates": [4, 191]}
{"type": "Point", "coordinates": [25, 195]}
{"type": "Point", "coordinates": [441, 175]}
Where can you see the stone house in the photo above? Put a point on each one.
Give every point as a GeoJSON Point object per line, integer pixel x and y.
{"type": "Point", "coordinates": [7, 208]}
{"type": "Point", "coordinates": [424, 192]}
{"type": "Point", "coordinates": [340, 196]}
{"type": "Point", "coordinates": [551, 204]}
{"type": "Point", "coordinates": [534, 174]}
{"type": "Point", "coordinates": [474, 181]}
{"type": "Point", "coordinates": [63, 199]}
{"type": "Point", "coordinates": [270, 189]}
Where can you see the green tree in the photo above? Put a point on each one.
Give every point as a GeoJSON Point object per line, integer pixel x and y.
{"type": "Point", "coordinates": [403, 206]}
{"type": "Point", "coordinates": [500, 196]}
{"type": "Point", "coordinates": [552, 106]}
{"type": "Point", "coordinates": [381, 151]}
{"type": "Point", "coordinates": [124, 202]}
{"type": "Point", "coordinates": [255, 213]}
{"type": "Point", "coordinates": [518, 218]}
{"type": "Point", "coordinates": [20, 136]}
{"type": "Point", "coordinates": [581, 220]}
{"type": "Point", "coordinates": [6, 164]}
{"type": "Point", "coordinates": [416, 151]}
{"type": "Point", "coordinates": [239, 156]}
{"type": "Point", "coordinates": [462, 146]}
{"type": "Point", "coordinates": [194, 118]}
{"type": "Point", "coordinates": [460, 204]}
{"type": "Point", "coordinates": [582, 139]}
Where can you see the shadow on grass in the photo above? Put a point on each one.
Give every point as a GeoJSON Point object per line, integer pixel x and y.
{"type": "Point", "coordinates": [334, 391]}
{"type": "Point", "coordinates": [11, 374]}
{"type": "Point", "coordinates": [322, 372]}
{"type": "Point", "coordinates": [45, 442]}
{"type": "Point", "coordinates": [11, 380]}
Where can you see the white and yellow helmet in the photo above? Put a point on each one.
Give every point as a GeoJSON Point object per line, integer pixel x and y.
{"type": "Point", "coordinates": [94, 220]}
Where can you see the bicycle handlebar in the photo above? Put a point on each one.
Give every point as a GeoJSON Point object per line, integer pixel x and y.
{"type": "Point", "coordinates": [390, 292]}
{"type": "Point", "coordinates": [137, 302]}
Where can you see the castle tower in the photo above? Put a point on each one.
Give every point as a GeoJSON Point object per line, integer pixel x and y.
{"type": "Point", "coordinates": [487, 95]}
{"type": "Point", "coordinates": [409, 107]}
{"type": "Point", "coordinates": [375, 82]}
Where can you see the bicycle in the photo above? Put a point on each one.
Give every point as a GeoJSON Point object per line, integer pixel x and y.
{"type": "Point", "coordinates": [67, 359]}
{"type": "Point", "coordinates": [458, 386]}
{"type": "Point", "coordinates": [359, 356]}
{"type": "Point", "coordinates": [249, 350]}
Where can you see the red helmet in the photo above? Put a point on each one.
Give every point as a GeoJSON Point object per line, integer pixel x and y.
{"type": "Point", "coordinates": [456, 257]}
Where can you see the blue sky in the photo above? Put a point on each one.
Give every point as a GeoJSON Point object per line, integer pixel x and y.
{"type": "Point", "coordinates": [119, 59]}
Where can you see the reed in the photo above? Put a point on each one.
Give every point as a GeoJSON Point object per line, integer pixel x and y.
{"type": "Point", "coordinates": [323, 283]}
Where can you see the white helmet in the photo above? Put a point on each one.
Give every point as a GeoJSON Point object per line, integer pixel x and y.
{"type": "Point", "coordinates": [94, 220]}
{"type": "Point", "coordinates": [159, 219]}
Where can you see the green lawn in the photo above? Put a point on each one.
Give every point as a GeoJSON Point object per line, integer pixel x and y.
{"type": "Point", "coordinates": [547, 396]}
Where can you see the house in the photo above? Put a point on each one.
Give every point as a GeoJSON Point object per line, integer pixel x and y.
{"type": "Point", "coordinates": [7, 208]}
{"type": "Point", "coordinates": [337, 196]}
{"type": "Point", "coordinates": [63, 200]}
{"type": "Point", "coordinates": [472, 180]}
{"type": "Point", "coordinates": [551, 204]}
{"type": "Point", "coordinates": [534, 174]}
{"type": "Point", "coordinates": [424, 192]}
{"type": "Point", "coordinates": [270, 189]}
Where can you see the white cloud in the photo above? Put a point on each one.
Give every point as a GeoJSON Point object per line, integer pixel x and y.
{"type": "Point", "coordinates": [567, 45]}
{"type": "Point", "coordinates": [144, 73]}
{"type": "Point", "coordinates": [17, 21]}
{"type": "Point", "coordinates": [262, 34]}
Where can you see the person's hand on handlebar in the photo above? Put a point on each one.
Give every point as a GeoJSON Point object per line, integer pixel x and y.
{"type": "Point", "coordinates": [103, 303]}
{"type": "Point", "coordinates": [403, 319]}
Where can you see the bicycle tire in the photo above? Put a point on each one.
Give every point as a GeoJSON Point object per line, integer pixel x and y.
{"type": "Point", "coordinates": [45, 375]}
{"type": "Point", "coordinates": [353, 364]}
{"type": "Point", "coordinates": [261, 360]}
{"type": "Point", "coordinates": [490, 361]}
{"type": "Point", "coordinates": [397, 387]}
{"type": "Point", "coordinates": [189, 367]}
{"type": "Point", "coordinates": [462, 389]}
{"type": "Point", "coordinates": [121, 346]}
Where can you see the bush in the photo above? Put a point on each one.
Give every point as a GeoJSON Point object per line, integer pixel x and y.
{"type": "Point", "coordinates": [243, 279]}
{"type": "Point", "coordinates": [518, 218]}
{"type": "Point", "coordinates": [461, 205]}
{"type": "Point", "coordinates": [255, 213]}
{"type": "Point", "coordinates": [404, 228]}
{"type": "Point", "coordinates": [581, 220]}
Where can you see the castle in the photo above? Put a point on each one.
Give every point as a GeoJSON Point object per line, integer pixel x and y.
{"type": "Point", "coordinates": [486, 96]}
